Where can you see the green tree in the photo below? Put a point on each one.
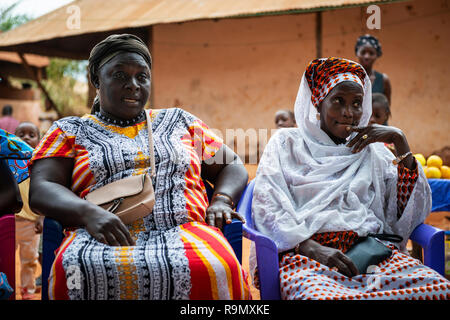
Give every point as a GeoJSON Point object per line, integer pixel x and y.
{"type": "Point", "coordinates": [60, 84]}
{"type": "Point", "coordinates": [8, 20]}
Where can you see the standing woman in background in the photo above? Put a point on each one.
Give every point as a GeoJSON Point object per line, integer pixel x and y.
{"type": "Point", "coordinates": [368, 50]}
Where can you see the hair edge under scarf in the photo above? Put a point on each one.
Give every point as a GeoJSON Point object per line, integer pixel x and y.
{"type": "Point", "coordinates": [108, 48]}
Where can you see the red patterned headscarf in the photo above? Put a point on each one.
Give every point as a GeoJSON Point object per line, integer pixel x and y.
{"type": "Point", "coordinates": [324, 74]}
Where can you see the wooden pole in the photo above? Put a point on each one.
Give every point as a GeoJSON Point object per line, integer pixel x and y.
{"type": "Point", "coordinates": [319, 34]}
{"type": "Point", "coordinates": [33, 75]}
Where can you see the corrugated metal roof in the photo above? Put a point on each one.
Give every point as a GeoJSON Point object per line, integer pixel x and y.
{"type": "Point", "coordinates": [100, 15]}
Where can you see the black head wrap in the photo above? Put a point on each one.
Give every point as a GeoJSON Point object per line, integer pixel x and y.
{"type": "Point", "coordinates": [367, 39]}
{"type": "Point", "coordinates": [108, 48]}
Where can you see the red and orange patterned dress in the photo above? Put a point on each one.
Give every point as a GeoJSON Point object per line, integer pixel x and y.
{"type": "Point", "coordinates": [177, 255]}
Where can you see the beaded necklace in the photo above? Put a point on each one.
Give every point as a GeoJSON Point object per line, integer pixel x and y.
{"type": "Point", "coordinates": [106, 117]}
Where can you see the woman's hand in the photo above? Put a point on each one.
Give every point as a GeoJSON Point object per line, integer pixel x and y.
{"type": "Point", "coordinates": [107, 228]}
{"type": "Point", "coordinates": [328, 256]}
{"type": "Point", "coordinates": [380, 133]}
{"type": "Point", "coordinates": [373, 133]}
{"type": "Point", "coordinates": [229, 178]}
{"type": "Point", "coordinates": [219, 210]}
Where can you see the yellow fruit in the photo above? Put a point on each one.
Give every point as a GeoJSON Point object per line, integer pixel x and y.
{"type": "Point", "coordinates": [445, 171]}
{"type": "Point", "coordinates": [434, 161]}
{"type": "Point", "coordinates": [425, 169]}
{"type": "Point", "coordinates": [419, 157]}
{"type": "Point", "coordinates": [433, 173]}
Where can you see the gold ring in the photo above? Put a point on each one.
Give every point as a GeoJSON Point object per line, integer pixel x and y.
{"type": "Point", "coordinates": [365, 137]}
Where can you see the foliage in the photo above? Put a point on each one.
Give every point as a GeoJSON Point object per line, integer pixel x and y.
{"type": "Point", "coordinates": [67, 100]}
{"type": "Point", "coordinates": [59, 68]}
{"type": "Point", "coordinates": [61, 85]}
{"type": "Point", "coordinates": [8, 20]}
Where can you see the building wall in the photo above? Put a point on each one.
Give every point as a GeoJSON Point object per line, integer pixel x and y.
{"type": "Point", "coordinates": [235, 73]}
{"type": "Point", "coordinates": [26, 104]}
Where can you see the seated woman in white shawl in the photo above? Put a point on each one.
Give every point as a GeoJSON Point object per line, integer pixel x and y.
{"type": "Point", "coordinates": [321, 186]}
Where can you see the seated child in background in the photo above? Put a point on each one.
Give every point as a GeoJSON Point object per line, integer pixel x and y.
{"type": "Point", "coordinates": [381, 112]}
{"type": "Point", "coordinates": [28, 224]}
{"type": "Point", "coordinates": [284, 119]}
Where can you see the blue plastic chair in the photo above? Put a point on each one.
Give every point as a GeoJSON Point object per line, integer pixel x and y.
{"type": "Point", "coordinates": [429, 238]}
{"type": "Point", "coordinates": [53, 236]}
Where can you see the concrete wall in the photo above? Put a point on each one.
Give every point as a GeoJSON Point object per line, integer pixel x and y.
{"type": "Point", "coordinates": [235, 73]}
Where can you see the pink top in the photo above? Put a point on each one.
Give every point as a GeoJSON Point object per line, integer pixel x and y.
{"type": "Point", "coordinates": [8, 123]}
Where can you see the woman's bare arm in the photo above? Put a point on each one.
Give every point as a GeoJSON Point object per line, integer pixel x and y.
{"type": "Point", "coordinates": [229, 176]}
{"type": "Point", "coordinates": [10, 199]}
{"type": "Point", "coordinates": [51, 196]}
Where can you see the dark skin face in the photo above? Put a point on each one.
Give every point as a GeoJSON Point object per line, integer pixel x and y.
{"type": "Point", "coordinates": [124, 85]}
{"type": "Point", "coordinates": [379, 114]}
{"type": "Point", "coordinates": [341, 108]}
{"type": "Point", "coordinates": [29, 133]}
{"type": "Point", "coordinates": [367, 56]}
{"type": "Point", "coordinates": [283, 119]}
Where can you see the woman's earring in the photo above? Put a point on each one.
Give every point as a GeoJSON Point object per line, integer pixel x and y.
{"type": "Point", "coordinates": [318, 116]}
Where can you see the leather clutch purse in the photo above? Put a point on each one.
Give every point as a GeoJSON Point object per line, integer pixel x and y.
{"type": "Point", "coordinates": [369, 251]}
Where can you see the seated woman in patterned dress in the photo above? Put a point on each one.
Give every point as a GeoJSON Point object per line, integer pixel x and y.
{"type": "Point", "coordinates": [323, 185]}
{"type": "Point", "coordinates": [176, 252]}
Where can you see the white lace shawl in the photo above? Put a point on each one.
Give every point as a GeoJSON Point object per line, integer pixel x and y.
{"type": "Point", "coordinates": [306, 184]}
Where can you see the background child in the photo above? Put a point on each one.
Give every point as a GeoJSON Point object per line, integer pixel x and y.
{"type": "Point", "coordinates": [381, 110]}
{"type": "Point", "coordinates": [28, 224]}
{"type": "Point", "coordinates": [284, 119]}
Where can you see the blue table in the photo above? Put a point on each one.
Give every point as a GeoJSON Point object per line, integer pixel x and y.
{"type": "Point", "coordinates": [440, 193]}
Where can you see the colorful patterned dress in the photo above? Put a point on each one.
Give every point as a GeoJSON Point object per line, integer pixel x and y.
{"type": "Point", "coordinates": [177, 255]}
